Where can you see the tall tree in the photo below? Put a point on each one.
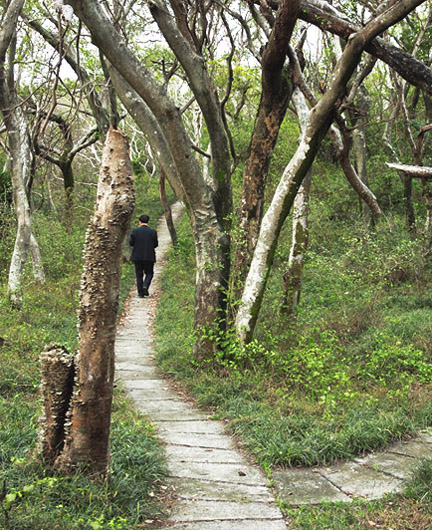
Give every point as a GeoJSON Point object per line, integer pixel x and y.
{"type": "Point", "coordinates": [319, 121]}
{"type": "Point", "coordinates": [209, 202]}
{"type": "Point", "coordinates": [21, 156]}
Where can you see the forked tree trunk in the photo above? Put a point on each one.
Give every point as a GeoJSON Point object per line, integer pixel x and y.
{"type": "Point", "coordinates": [88, 424]}
{"type": "Point", "coordinates": [319, 121]}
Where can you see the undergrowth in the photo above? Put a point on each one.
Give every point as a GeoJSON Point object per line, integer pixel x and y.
{"type": "Point", "coordinates": [351, 374]}
{"type": "Point", "coordinates": [339, 381]}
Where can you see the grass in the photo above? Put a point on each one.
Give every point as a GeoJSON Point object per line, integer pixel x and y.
{"type": "Point", "coordinates": [304, 394]}
{"type": "Point", "coordinates": [349, 376]}
{"type": "Point", "coordinates": [32, 495]}
{"type": "Point", "coordinates": [39, 498]}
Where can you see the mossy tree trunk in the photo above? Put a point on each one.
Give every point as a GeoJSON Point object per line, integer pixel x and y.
{"type": "Point", "coordinates": [293, 274]}
{"type": "Point", "coordinates": [88, 422]}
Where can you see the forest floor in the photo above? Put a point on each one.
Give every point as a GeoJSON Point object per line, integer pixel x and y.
{"type": "Point", "coordinates": [212, 480]}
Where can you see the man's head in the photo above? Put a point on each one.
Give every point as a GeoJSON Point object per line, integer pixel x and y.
{"type": "Point", "coordinates": [144, 219]}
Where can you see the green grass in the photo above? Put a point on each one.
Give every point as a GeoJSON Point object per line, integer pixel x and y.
{"type": "Point", "coordinates": [350, 375]}
{"type": "Point", "coordinates": [338, 382]}
{"type": "Point", "coordinates": [39, 498]}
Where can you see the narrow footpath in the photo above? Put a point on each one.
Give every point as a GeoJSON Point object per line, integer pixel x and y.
{"type": "Point", "coordinates": [216, 488]}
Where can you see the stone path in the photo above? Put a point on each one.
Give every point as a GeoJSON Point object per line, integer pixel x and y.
{"type": "Point", "coordinates": [216, 487]}
{"type": "Point", "coordinates": [367, 478]}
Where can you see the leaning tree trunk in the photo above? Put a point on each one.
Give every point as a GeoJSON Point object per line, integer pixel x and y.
{"type": "Point", "coordinates": [275, 97]}
{"type": "Point", "coordinates": [87, 436]}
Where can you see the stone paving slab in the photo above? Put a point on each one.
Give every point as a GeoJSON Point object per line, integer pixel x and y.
{"type": "Point", "coordinates": [215, 490]}
{"type": "Point", "coordinates": [215, 441]}
{"type": "Point", "coordinates": [304, 486]}
{"type": "Point", "coordinates": [134, 357]}
{"type": "Point", "coordinates": [399, 466]}
{"type": "Point", "coordinates": [414, 448]}
{"type": "Point", "coordinates": [200, 510]}
{"type": "Point", "coordinates": [360, 481]}
{"type": "Point", "coordinates": [426, 437]}
{"type": "Point", "coordinates": [168, 410]}
{"type": "Point", "coordinates": [145, 372]}
{"type": "Point", "coordinates": [232, 473]}
{"type": "Point", "coordinates": [202, 454]}
{"type": "Point", "coordinates": [146, 384]}
{"type": "Point", "coordinates": [248, 524]}
{"type": "Point", "coordinates": [167, 416]}
{"type": "Point", "coordinates": [192, 427]}
{"type": "Point", "coordinates": [128, 366]}
{"type": "Point", "coordinates": [141, 396]}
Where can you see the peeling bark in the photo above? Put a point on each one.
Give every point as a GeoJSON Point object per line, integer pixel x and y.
{"type": "Point", "coordinates": [87, 436]}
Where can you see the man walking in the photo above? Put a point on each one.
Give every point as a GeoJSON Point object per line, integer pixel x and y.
{"type": "Point", "coordinates": [144, 241]}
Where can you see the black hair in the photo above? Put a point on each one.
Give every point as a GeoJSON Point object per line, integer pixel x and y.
{"type": "Point", "coordinates": [144, 218]}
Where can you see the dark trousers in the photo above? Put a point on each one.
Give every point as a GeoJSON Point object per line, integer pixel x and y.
{"type": "Point", "coordinates": [141, 268]}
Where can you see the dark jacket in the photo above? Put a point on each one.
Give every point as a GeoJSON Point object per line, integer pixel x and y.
{"type": "Point", "coordinates": [143, 240]}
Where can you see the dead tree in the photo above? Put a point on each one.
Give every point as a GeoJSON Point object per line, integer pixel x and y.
{"type": "Point", "coordinates": [57, 369]}
{"type": "Point", "coordinates": [86, 425]}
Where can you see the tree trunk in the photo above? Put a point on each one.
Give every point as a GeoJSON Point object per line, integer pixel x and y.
{"type": "Point", "coordinates": [167, 209]}
{"type": "Point", "coordinates": [410, 219]}
{"type": "Point", "coordinates": [87, 438]}
{"type": "Point", "coordinates": [25, 241]}
{"type": "Point", "coordinates": [359, 146]}
{"type": "Point", "coordinates": [275, 97]}
{"type": "Point", "coordinates": [57, 377]}
{"type": "Point", "coordinates": [19, 144]}
{"type": "Point", "coordinates": [207, 206]}
{"type": "Point", "coordinates": [319, 121]}
{"type": "Point", "coordinates": [68, 183]}
{"type": "Point", "coordinates": [293, 275]}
